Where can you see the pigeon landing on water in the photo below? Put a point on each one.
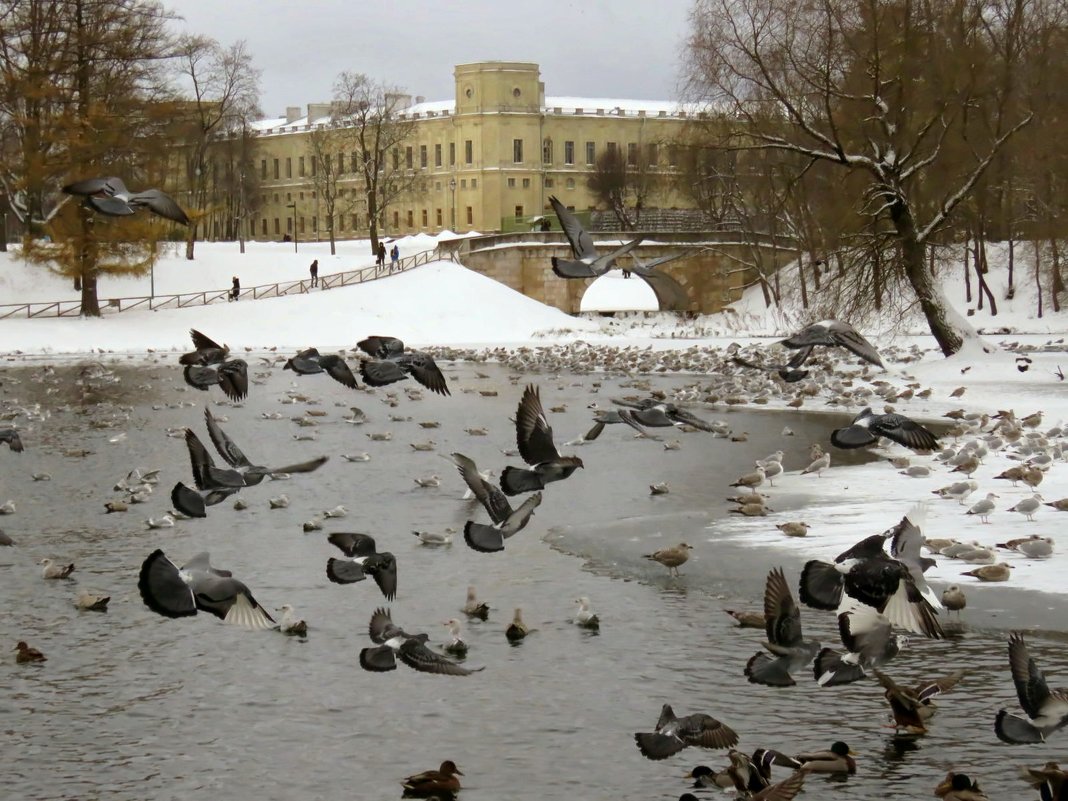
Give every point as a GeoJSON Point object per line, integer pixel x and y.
{"type": "Point", "coordinates": [110, 196]}
{"type": "Point", "coordinates": [311, 362]}
{"type": "Point", "coordinates": [506, 520]}
{"type": "Point", "coordinates": [834, 334]}
{"type": "Point", "coordinates": [782, 623]}
{"type": "Point", "coordinates": [393, 643]}
{"type": "Point", "coordinates": [173, 592]}
{"type": "Point", "coordinates": [364, 560]}
{"type": "Point", "coordinates": [390, 362]}
{"type": "Point", "coordinates": [208, 351]}
{"type": "Point", "coordinates": [586, 264]}
{"type": "Point", "coordinates": [534, 437]}
{"type": "Point", "coordinates": [673, 734]}
{"type": "Point", "coordinates": [866, 429]}
{"type": "Point", "coordinates": [1046, 709]}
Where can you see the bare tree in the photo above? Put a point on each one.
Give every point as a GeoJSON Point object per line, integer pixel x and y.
{"type": "Point", "coordinates": [369, 116]}
{"type": "Point", "coordinates": [223, 92]}
{"type": "Point", "coordinates": [623, 183]}
{"type": "Point", "coordinates": [876, 88]}
{"type": "Point", "coordinates": [328, 143]}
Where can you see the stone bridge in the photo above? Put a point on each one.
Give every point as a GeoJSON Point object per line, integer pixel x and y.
{"type": "Point", "coordinates": [712, 277]}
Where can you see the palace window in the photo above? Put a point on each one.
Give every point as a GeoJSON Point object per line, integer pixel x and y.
{"type": "Point", "coordinates": [517, 150]}
{"type": "Point", "coordinates": [591, 153]}
{"type": "Point", "coordinates": [569, 152]}
{"type": "Point", "coordinates": [422, 156]}
{"type": "Point", "coordinates": [632, 154]}
{"type": "Point", "coordinates": [547, 151]}
{"type": "Point", "coordinates": [469, 152]}
{"type": "Point", "coordinates": [300, 166]}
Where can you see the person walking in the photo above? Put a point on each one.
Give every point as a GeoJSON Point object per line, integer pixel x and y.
{"type": "Point", "coordinates": [394, 257]}
{"type": "Point", "coordinates": [235, 293]}
{"type": "Point", "coordinates": [314, 270]}
{"type": "Point", "coordinates": [381, 255]}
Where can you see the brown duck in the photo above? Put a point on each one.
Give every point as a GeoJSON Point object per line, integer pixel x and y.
{"type": "Point", "coordinates": [440, 782]}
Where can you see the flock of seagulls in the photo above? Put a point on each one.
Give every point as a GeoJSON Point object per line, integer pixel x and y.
{"type": "Point", "coordinates": [876, 588]}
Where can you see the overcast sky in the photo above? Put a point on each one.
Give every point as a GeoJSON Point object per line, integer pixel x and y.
{"type": "Point", "coordinates": [593, 48]}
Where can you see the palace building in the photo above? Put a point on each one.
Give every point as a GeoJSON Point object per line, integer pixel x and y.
{"type": "Point", "coordinates": [486, 160]}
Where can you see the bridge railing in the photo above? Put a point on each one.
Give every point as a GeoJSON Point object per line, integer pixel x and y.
{"type": "Point", "coordinates": [72, 308]}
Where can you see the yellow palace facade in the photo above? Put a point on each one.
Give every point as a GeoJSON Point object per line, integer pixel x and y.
{"type": "Point", "coordinates": [488, 160]}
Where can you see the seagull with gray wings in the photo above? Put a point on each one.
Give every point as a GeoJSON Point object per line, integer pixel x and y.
{"type": "Point", "coordinates": [1046, 709]}
{"type": "Point", "coordinates": [181, 592]}
{"type": "Point", "coordinates": [782, 623]}
{"type": "Point", "coordinates": [364, 560]}
{"type": "Point", "coordinates": [110, 197]}
{"type": "Point", "coordinates": [311, 362]}
{"type": "Point", "coordinates": [867, 427]}
{"type": "Point", "coordinates": [506, 520]}
{"type": "Point", "coordinates": [673, 734]}
{"type": "Point", "coordinates": [393, 643]}
{"type": "Point", "coordinates": [586, 264]}
{"type": "Point", "coordinates": [534, 437]}
{"type": "Point", "coordinates": [390, 362]}
{"type": "Point", "coordinates": [834, 334]}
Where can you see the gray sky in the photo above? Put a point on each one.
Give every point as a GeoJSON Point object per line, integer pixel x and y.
{"type": "Point", "coordinates": [591, 48]}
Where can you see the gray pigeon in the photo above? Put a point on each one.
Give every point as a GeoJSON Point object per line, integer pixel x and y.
{"type": "Point", "coordinates": [534, 437]}
{"type": "Point", "coordinates": [506, 520]}
{"type": "Point", "coordinates": [253, 473]}
{"type": "Point", "coordinates": [790, 372]}
{"type": "Point", "coordinates": [173, 592]}
{"type": "Point", "coordinates": [867, 427]}
{"type": "Point", "coordinates": [782, 622]}
{"type": "Point", "coordinates": [393, 643]}
{"type": "Point", "coordinates": [110, 196]}
{"type": "Point", "coordinates": [230, 376]}
{"type": "Point", "coordinates": [1046, 709]}
{"type": "Point", "coordinates": [867, 636]}
{"type": "Point", "coordinates": [311, 362]}
{"type": "Point", "coordinates": [364, 560]}
{"type": "Point", "coordinates": [208, 351]}
{"type": "Point", "coordinates": [586, 264]}
{"type": "Point", "coordinates": [673, 734]}
{"type": "Point", "coordinates": [390, 362]}
{"type": "Point", "coordinates": [832, 334]}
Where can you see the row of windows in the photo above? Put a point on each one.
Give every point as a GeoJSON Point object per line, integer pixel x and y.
{"type": "Point", "coordinates": [652, 157]}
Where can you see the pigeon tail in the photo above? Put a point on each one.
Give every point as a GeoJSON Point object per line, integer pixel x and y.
{"type": "Point", "coordinates": [483, 538]}
{"type": "Point", "coordinates": [830, 670]}
{"type": "Point", "coordinates": [762, 669]}
{"type": "Point", "coordinates": [516, 480]}
{"type": "Point", "coordinates": [658, 746]}
{"type": "Point", "coordinates": [852, 437]}
{"type": "Point", "coordinates": [344, 571]}
{"type": "Point", "coordinates": [378, 660]}
{"type": "Point", "coordinates": [1015, 730]}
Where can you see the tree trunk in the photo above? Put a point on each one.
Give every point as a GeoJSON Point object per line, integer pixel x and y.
{"type": "Point", "coordinates": [1038, 277]}
{"type": "Point", "coordinates": [1057, 284]}
{"type": "Point", "coordinates": [190, 240]}
{"type": "Point", "coordinates": [1012, 263]}
{"type": "Point", "coordinates": [372, 218]}
{"type": "Point", "coordinates": [877, 277]}
{"type": "Point", "coordinates": [87, 267]}
{"type": "Point", "coordinates": [801, 282]}
{"type": "Point", "coordinates": [981, 269]}
{"type": "Point", "coordinates": [967, 271]}
{"type": "Point", "coordinates": [923, 284]}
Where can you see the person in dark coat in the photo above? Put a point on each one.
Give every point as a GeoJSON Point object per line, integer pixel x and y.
{"type": "Point", "coordinates": [235, 293]}
{"type": "Point", "coordinates": [314, 270]}
{"type": "Point", "coordinates": [381, 255]}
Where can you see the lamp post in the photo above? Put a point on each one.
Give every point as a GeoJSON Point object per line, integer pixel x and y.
{"type": "Point", "coordinates": [293, 206]}
{"type": "Point", "coordinates": [452, 187]}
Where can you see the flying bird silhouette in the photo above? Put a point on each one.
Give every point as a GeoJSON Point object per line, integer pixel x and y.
{"type": "Point", "coordinates": [364, 560]}
{"type": "Point", "coordinates": [110, 196]}
{"type": "Point", "coordinates": [586, 264]}
{"type": "Point", "coordinates": [311, 362]}
{"type": "Point", "coordinates": [390, 362]}
{"type": "Point", "coordinates": [534, 437]}
{"type": "Point", "coordinates": [506, 520]}
{"type": "Point", "coordinates": [393, 643]}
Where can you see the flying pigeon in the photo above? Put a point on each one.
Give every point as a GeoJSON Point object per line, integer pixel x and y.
{"type": "Point", "coordinates": [253, 474]}
{"type": "Point", "coordinates": [1046, 709]}
{"type": "Point", "coordinates": [506, 520]}
{"type": "Point", "coordinates": [310, 362]}
{"type": "Point", "coordinates": [586, 264]}
{"type": "Point", "coordinates": [790, 372]}
{"type": "Point", "coordinates": [11, 437]}
{"type": "Point", "coordinates": [534, 437]}
{"type": "Point", "coordinates": [231, 377]}
{"type": "Point", "coordinates": [180, 592]}
{"type": "Point", "coordinates": [390, 362]}
{"type": "Point", "coordinates": [673, 734]}
{"type": "Point", "coordinates": [110, 196]}
{"type": "Point", "coordinates": [394, 643]}
{"type": "Point", "coordinates": [866, 429]}
{"type": "Point", "coordinates": [364, 560]}
{"type": "Point", "coordinates": [834, 333]}
{"type": "Point", "coordinates": [869, 643]}
{"type": "Point", "coordinates": [782, 622]}
{"type": "Point", "coordinates": [208, 351]}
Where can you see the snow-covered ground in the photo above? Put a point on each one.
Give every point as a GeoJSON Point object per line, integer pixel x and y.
{"type": "Point", "coordinates": [446, 304]}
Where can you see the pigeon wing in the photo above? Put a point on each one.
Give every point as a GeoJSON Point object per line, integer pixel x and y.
{"type": "Point", "coordinates": [189, 502]}
{"type": "Point", "coordinates": [201, 342]}
{"type": "Point", "coordinates": [781, 614]}
{"type": "Point", "coordinates": [233, 379]}
{"type": "Point", "coordinates": [162, 589]}
{"type": "Point", "coordinates": [417, 656]}
{"type": "Point", "coordinates": [424, 370]}
{"type": "Point", "coordinates": [707, 732]}
{"type": "Point", "coordinates": [380, 373]}
{"type": "Point", "coordinates": [488, 495]}
{"type": "Point", "coordinates": [581, 243]}
{"type": "Point", "coordinates": [353, 544]}
{"type": "Point", "coordinates": [1031, 687]}
{"type": "Point", "coordinates": [302, 467]}
{"type": "Point", "coordinates": [338, 370]}
{"type": "Point", "coordinates": [92, 186]}
{"type": "Point", "coordinates": [846, 336]}
{"type": "Point", "coordinates": [226, 447]}
{"type": "Point", "coordinates": [343, 571]}
{"type": "Point", "coordinates": [110, 206]}
{"type": "Point", "coordinates": [534, 435]}
{"type": "Point", "coordinates": [381, 347]}
{"type": "Point", "coordinates": [904, 431]}
{"type": "Point", "coordinates": [160, 203]}
{"type": "Point", "coordinates": [383, 568]}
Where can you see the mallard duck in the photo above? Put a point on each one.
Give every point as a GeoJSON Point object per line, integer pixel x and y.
{"type": "Point", "coordinates": [837, 759]}
{"type": "Point", "coordinates": [1049, 780]}
{"type": "Point", "coordinates": [741, 775]}
{"type": "Point", "coordinates": [912, 707]}
{"type": "Point", "coordinates": [958, 787]}
{"type": "Point", "coordinates": [442, 781]}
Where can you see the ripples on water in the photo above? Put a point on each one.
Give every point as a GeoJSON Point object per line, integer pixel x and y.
{"type": "Point", "coordinates": [131, 705]}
